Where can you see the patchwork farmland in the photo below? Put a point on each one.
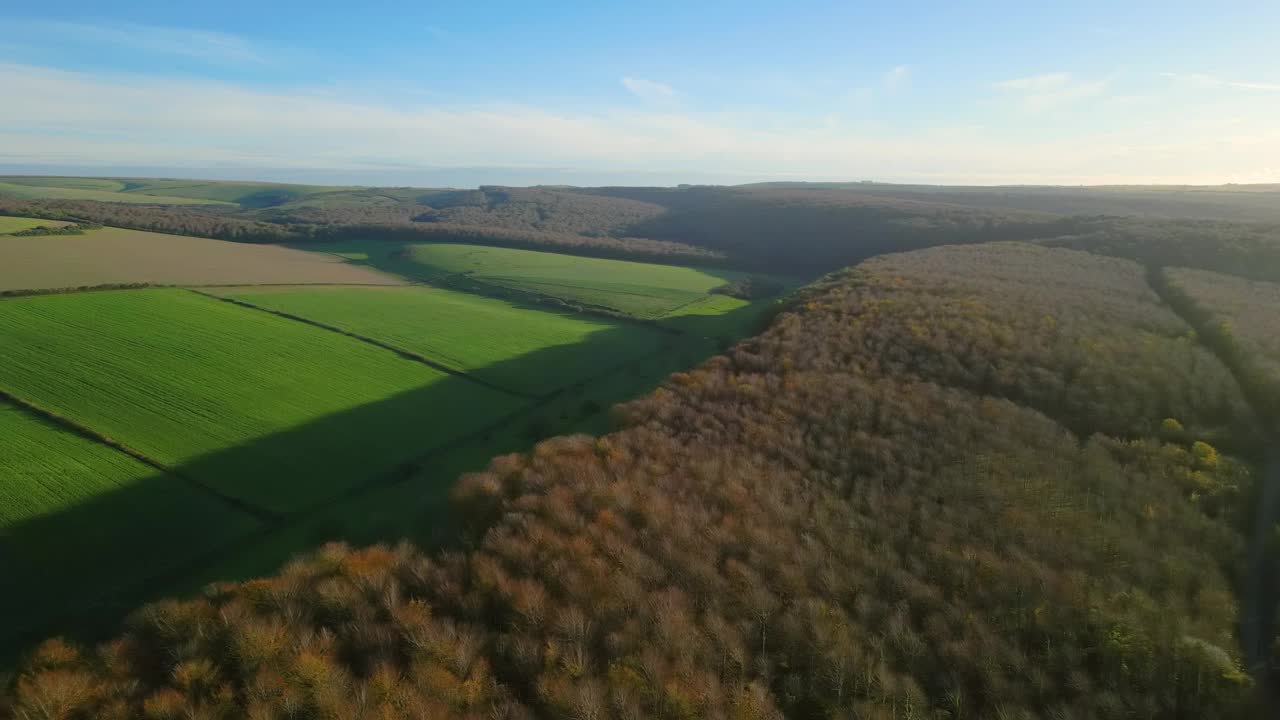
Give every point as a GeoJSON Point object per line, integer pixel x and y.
{"type": "Point", "coordinates": [467, 333]}
{"type": "Point", "coordinates": [156, 438]}
{"type": "Point", "coordinates": [181, 378]}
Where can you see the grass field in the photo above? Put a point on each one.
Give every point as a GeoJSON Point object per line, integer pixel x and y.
{"type": "Point", "coordinates": [18, 224]}
{"type": "Point", "coordinates": [113, 255]}
{"type": "Point", "coordinates": [269, 410]}
{"type": "Point", "coordinates": [26, 191]}
{"type": "Point", "coordinates": [248, 194]}
{"type": "Point", "coordinates": [478, 335]}
{"type": "Point", "coordinates": [68, 183]}
{"type": "Point", "coordinates": [640, 290]}
{"type": "Point", "coordinates": [46, 469]}
{"type": "Point", "coordinates": [160, 191]}
{"type": "Point", "coordinates": [76, 515]}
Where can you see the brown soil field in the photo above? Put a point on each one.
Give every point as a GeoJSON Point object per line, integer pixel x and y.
{"type": "Point", "coordinates": [114, 256]}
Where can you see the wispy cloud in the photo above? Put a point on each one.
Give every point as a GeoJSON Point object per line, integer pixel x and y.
{"type": "Point", "coordinates": [213, 47]}
{"type": "Point", "coordinates": [649, 90]}
{"type": "Point", "coordinates": [1213, 81]}
{"type": "Point", "coordinates": [1037, 93]}
{"type": "Point", "coordinates": [1036, 83]}
{"type": "Point", "coordinates": [61, 117]}
{"type": "Point", "coordinates": [897, 77]}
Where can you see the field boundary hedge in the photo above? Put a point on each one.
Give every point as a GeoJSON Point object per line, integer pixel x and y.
{"type": "Point", "coordinates": [406, 354]}
{"type": "Point", "coordinates": [89, 433]}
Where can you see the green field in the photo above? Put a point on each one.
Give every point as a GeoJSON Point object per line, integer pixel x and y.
{"type": "Point", "coordinates": [18, 224]}
{"type": "Point", "coordinates": [160, 191]}
{"type": "Point", "coordinates": [69, 183]}
{"type": "Point", "coordinates": [76, 514]}
{"type": "Point", "coordinates": [249, 194]}
{"type": "Point", "coordinates": [46, 469]}
{"type": "Point", "coordinates": [26, 191]}
{"type": "Point", "coordinates": [178, 376]}
{"type": "Point", "coordinates": [678, 298]}
{"type": "Point", "coordinates": [688, 289]}
{"type": "Point", "coordinates": [269, 410]}
{"type": "Point", "coordinates": [641, 290]}
{"type": "Point", "coordinates": [521, 349]}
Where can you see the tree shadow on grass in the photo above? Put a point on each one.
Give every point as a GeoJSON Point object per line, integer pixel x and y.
{"type": "Point", "coordinates": [78, 571]}
{"type": "Point", "coordinates": [395, 257]}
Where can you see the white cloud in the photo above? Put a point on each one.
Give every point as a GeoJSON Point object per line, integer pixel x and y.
{"type": "Point", "coordinates": [649, 90]}
{"type": "Point", "coordinates": [1038, 93]}
{"type": "Point", "coordinates": [60, 117]}
{"type": "Point", "coordinates": [214, 47]}
{"type": "Point", "coordinates": [897, 77]}
{"type": "Point", "coordinates": [1202, 80]}
{"type": "Point", "coordinates": [1036, 83]}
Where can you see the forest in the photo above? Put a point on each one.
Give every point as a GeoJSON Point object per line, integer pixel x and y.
{"type": "Point", "coordinates": [995, 480]}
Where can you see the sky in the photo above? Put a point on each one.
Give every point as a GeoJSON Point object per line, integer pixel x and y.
{"type": "Point", "coordinates": [653, 93]}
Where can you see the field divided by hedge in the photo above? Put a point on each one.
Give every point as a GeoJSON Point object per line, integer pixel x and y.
{"type": "Point", "coordinates": [78, 518]}
{"type": "Point", "coordinates": [468, 333]}
{"type": "Point", "coordinates": [274, 412]}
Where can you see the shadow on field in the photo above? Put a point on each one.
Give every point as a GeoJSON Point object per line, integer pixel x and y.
{"type": "Point", "coordinates": [395, 258]}
{"type": "Point", "coordinates": [80, 570]}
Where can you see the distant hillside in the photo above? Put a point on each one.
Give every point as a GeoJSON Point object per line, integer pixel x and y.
{"type": "Point", "coordinates": [796, 228]}
{"type": "Point", "coordinates": [159, 191]}
{"type": "Point", "coordinates": [1252, 203]}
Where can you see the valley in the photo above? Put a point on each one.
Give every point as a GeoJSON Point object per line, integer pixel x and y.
{"type": "Point", "coordinates": [1033, 443]}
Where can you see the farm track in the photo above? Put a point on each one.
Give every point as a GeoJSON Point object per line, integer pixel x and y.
{"type": "Point", "coordinates": [91, 619]}
{"type": "Point", "coordinates": [406, 354]}
{"type": "Point", "coordinates": [260, 514]}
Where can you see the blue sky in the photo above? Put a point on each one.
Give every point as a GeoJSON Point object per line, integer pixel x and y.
{"type": "Point", "coordinates": [654, 92]}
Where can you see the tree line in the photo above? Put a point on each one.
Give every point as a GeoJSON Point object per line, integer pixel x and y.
{"type": "Point", "coordinates": [225, 225]}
